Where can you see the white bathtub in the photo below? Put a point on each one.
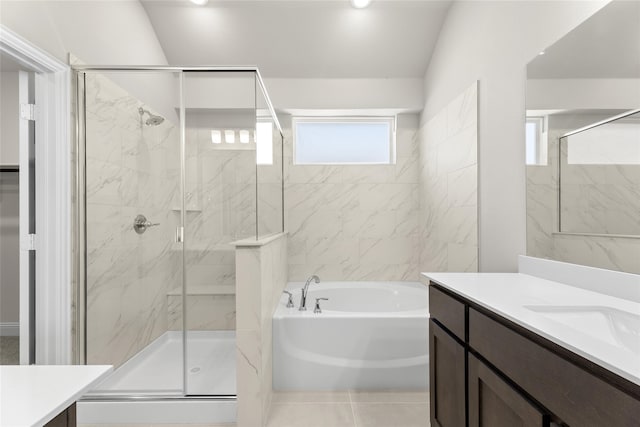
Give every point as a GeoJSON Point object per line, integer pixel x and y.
{"type": "Point", "coordinates": [370, 335]}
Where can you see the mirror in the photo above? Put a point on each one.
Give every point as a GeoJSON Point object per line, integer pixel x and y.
{"type": "Point", "coordinates": [599, 172]}
{"type": "Point", "coordinates": [583, 143]}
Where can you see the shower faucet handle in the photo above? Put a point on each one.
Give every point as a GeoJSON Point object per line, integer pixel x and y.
{"type": "Point", "coordinates": [140, 224]}
{"type": "Point", "coordinates": [290, 302]}
{"type": "Point", "coordinates": [318, 310]}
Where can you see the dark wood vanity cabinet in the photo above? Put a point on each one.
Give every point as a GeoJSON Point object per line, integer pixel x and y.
{"type": "Point", "coordinates": [494, 403]}
{"type": "Point", "coordinates": [446, 374]}
{"type": "Point", "coordinates": [66, 418]}
{"type": "Point", "coordinates": [514, 377]}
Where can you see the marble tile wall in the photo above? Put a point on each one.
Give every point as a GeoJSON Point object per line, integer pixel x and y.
{"type": "Point", "coordinates": [134, 281]}
{"type": "Point", "coordinates": [221, 208]}
{"type": "Point", "coordinates": [261, 271]}
{"type": "Point", "coordinates": [220, 202]}
{"type": "Point", "coordinates": [448, 190]}
{"type": "Point", "coordinates": [129, 172]}
{"type": "Point", "coordinates": [600, 199]}
{"type": "Point", "coordinates": [620, 254]}
{"type": "Point", "coordinates": [205, 311]}
{"type": "Point", "coordinates": [349, 222]}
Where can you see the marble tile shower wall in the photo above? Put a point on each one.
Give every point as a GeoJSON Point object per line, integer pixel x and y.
{"type": "Point", "coordinates": [129, 172]}
{"type": "Point", "coordinates": [220, 208]}
{"type": "Point", "coordinates": [621, 254]}
{"type": "Point", "coordinates": [600, 198]}
{"type": "Point", "coordinates": [355, 222]}
{"type": "Point", "coordinates": [449, 187]}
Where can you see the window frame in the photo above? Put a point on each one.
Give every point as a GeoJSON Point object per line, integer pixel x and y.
{"type": "Point", "coordinates": [541, 143]}
{"type": "Point", "coordinates": [391, 120]}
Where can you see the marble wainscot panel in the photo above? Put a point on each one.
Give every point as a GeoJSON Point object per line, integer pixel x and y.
{"type": "Point", "coordinates": [599, 198]}
{"type": "Point", "coordinates": [209, 308]}
{"type": "Point", "coordinates": [585, 207]}
{"type": "Point", "coordinates": [261, 271]}
{"type": "Point", "coordinates": [448, 191]}
{"type": "Point", "coordinates": [128, 173]}
{"type": "Point", "coordinates": [355, 222]}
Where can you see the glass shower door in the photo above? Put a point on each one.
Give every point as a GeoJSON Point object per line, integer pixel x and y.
{"type": "Point", "coordinates": [220, 205]}
{"type": "Point", "coordinates": [134, 261]}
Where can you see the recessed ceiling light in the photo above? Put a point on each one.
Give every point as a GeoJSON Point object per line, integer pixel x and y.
{"type": "Point", "coordinates": [541, 53]}
{"type": "Point", "coordinates": [359, 4]}
{"type": "Point", "coordinates": [200, 2]}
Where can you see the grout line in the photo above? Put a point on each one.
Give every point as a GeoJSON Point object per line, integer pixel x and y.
{"type": "Point", "coordinates": [353, 411]}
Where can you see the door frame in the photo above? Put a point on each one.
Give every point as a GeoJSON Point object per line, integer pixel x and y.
{"type": "Point", "coordinates": [53, 204]}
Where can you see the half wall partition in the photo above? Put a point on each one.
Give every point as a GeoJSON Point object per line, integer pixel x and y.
{"type": "Point", "coordinates": [174, 164]}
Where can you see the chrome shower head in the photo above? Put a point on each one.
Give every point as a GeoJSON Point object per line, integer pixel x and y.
{"type": "Point", "coordinates": [153, 120]}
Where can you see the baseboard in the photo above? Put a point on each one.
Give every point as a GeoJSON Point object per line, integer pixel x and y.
{"type": "Point", "coordinates": [180, 411]}
{"type": "Point", "coordinates": [9, 329]}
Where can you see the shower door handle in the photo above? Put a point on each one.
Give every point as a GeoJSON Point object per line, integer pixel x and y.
{"type": "Point", "coordinates": [140, 224]}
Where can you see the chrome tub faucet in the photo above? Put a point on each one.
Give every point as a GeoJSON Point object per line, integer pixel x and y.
{"type": "Point", "coordinates": [303, 297]}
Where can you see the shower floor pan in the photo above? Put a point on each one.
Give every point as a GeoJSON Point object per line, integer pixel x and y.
{"type": "Point", "coordinates": [157, 370]}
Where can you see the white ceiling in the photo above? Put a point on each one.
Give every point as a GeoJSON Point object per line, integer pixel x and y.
{"type": "Point", "coordinates": [302, 38]}
{"type": "Point", "coordinates": [607, 45]}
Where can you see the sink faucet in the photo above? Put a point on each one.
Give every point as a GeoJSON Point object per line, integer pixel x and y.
{"type": "Point", "coordinates": [303, 298]}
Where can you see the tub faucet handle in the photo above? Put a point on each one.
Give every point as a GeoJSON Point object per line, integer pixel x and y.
{"type": "Point", "coordinates": [318, 310]}
{"type": "Point", "coordinates": [290, 302]}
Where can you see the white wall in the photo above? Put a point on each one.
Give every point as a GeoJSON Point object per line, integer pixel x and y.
{"type": "Point", "coordinates": [400, 95]}
{"type": "Point", "coordinates": [9, 115]}
{"type": "Point", "coordinates": [97, 32]}
{"type": "Point", "coordinates": [492, 42]}
{"type": "Point", "coordinates": [582, 94]}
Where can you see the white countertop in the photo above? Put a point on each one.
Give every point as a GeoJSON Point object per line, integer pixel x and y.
{"type": "Point", "coordinates": [531, 301]}
{"type": "Point", "coordinates": [34, 395]}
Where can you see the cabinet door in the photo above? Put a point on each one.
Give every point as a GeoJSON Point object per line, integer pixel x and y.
{"type": "Point", "coordinates": [446, 378]}
{"type": "Point", "coordinates": [66, 418]}
{"type": "Point", "coordinates": [494, 403]}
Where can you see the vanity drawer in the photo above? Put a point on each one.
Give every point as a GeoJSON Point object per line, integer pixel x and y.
{"type": "Point", "coordinates": [448, 311]}
{"type": "Point", "coordinates": [570, 392]}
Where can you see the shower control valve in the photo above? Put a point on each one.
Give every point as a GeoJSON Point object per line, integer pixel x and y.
{"type": "Point", "coordinates": [318, 310]}
{"type": "Point", "coordinates": [140, 224]}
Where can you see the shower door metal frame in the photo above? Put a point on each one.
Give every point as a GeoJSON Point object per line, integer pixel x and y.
{"type": "Point", "coordinates": [80, 222]}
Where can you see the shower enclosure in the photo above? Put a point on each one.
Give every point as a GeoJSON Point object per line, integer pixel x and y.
{"type": "Point", "coordinates": [174, 164]}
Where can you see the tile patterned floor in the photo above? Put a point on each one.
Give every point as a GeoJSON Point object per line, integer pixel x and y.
{"type": "Point", "coordinates": [350, 409]}
{"type": "Point", "coordinates": [336, 409]}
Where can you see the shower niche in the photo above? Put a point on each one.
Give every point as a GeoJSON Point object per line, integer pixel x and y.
{"type": "Point", "coordinates": [198, 152]}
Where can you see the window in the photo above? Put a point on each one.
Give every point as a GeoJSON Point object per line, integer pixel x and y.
{"type": "Point", "coordinates": [343, 140]}
{"type": "Point", "coordinates": [264, 143]}
{"type": "Point", "coordinates": [536, 144]}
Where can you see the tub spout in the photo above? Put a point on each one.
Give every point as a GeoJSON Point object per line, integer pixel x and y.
{"type": "Point", "coordinates": [303, 297]}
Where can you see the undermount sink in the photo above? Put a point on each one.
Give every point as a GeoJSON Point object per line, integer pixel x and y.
{"type": "Point", "coordinates": [609, 324]}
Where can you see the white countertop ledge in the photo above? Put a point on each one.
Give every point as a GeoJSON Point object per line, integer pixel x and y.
{"type": "Point", "coordinates": [34, 395]}
{"type": "Point", "coordinates": [252, 242]}
{"type": "Point", "coordinates": [509, 294]}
